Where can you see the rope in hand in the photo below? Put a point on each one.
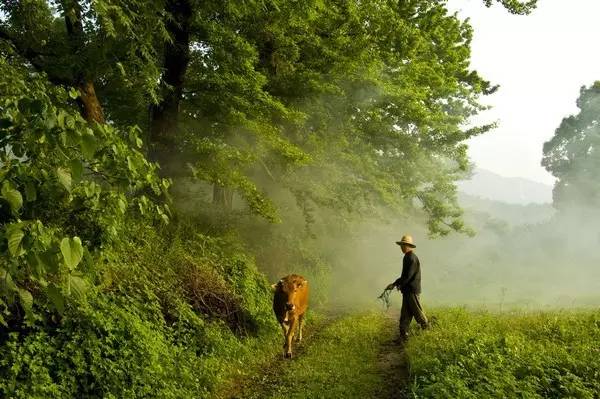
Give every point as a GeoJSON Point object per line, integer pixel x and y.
{"type": "Point", "coordinates": [385, 298]}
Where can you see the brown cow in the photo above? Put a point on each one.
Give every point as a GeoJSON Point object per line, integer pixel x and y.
{"type": "Point", "coordinates": [290, 303]}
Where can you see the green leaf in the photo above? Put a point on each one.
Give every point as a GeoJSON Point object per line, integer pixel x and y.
{"type": "Point", "coordinates": [130, 164]}
{"type": "Point", "coordinates": [72, 251]}
{"type": "Point", "coordinates": [6, 280]}
{"type": "Point", "coordinates": [34, 266]}
{"type": "Point", "coordinates": [64, 178]}
{"type": "Point", "coordinates": [15, 235]}
{"type": "Point", "coordinates": [70, 121]}
{"type": "Point", "coordinates": [26, 299]}
{"type": "Point", "coordinates": [88, 145]}
{"type": "Point", "coordinates": [30, 191]}
{"type": "Point", "coordinates": [121, 69]}
{"type": "Point", "coordinates": [77, 286]}
{"type": "Point", "coordinates": [56, 297]}
{"type": "Point", "coordinates": [48, 261]}
{"type": "Point", "coordinates": [12, 196]}
{"type": "Point", "coordinates": [76, 169]}
{"type": "Point", "coordinates": [63, 138]}
{"type": "Point", "coordinates": [50, 122]}
{"type": "Point", "coordinates": [60, 119]}
{"type": "Point", "coordinates": [73, 93]}
{"type": "Point", "coordinates": [122, 205]}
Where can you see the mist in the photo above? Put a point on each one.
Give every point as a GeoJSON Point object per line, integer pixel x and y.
{"type": "Point", "coordinates": [526, 256]}
{"type": "Point", "coordinates": [549, 264]}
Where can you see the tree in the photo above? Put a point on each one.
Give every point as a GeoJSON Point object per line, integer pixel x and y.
{"type": "Point", "coordinates": [515, 6]}
{"type": "Point", "coordinates": [573, 154]}
{"type": "Point", "coordinates": [83, 44]}
{"type": "Point", "coordinates": [347, 104]}
{"type": "Point", "coordinates": [176, 57]}
{"type": "Point", "coordinates": [384, 88]}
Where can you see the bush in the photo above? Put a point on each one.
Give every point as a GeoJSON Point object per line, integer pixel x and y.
{"type": "Point", "coordinates": [145, 332]}
{"type": "Point", "coordinates": [67, 190]}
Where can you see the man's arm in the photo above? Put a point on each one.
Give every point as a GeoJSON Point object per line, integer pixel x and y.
{"type": "Point", "coordinates": [409, 269]}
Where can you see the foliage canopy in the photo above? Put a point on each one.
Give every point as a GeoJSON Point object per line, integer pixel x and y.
{"type": "Point", "coordinates": [573, 154]}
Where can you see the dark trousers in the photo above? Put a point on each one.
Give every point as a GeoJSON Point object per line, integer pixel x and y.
{"type": "Point", "coordinates": [411, 307]}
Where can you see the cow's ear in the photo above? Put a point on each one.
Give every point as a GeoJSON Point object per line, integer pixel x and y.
{"type": "Point", "coordinates": [274, 286]}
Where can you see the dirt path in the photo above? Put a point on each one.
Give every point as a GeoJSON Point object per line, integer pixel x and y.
{"type": "Point", "coordinates": [394, 366]}
{"type": "Point", "coordinates": [343, 355]}
{"type": "Point", "coordinates": [268, 377]}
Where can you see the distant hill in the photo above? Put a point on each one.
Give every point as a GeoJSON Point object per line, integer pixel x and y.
{"type": "Point", "coordinates": [513, 190]}
{"type": "Point", "coordinates": [513, 214]}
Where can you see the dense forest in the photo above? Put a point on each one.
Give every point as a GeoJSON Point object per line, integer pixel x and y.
{"type": "Point", "coordinates": [162, 160]}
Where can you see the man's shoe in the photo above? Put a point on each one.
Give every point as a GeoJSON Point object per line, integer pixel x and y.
{"type": "Point", "coordinates": [401, 339]}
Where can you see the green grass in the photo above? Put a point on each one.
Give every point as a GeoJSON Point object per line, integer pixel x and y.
{"type": "Point", "coordinates": [476, 354]}
{"type": "Point", "coordinates": [342, 360]}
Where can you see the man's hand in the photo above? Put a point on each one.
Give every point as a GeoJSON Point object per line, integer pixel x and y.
{"type": "Point", "coordinates": [390, 287]}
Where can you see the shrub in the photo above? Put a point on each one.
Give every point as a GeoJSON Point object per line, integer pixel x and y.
{"type": "Point", "coordinates": [141, 333]}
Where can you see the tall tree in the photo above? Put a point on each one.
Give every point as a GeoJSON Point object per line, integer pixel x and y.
{"type": "Point", "coordinates": [176, 57]}
{"type": "Point", "coordinates": [385, 89]}
{"type": "Point", "coordinates": [573, 154]}
{"type": "Point", "coordinates": [82, 43]}
{"type": "Point", "coordinates": [370, 97]}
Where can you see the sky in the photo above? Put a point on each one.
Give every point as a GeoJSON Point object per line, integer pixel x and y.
{"type": "Point", "coordinates": [540, 62]}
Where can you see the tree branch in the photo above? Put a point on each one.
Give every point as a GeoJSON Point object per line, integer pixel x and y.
{"type": "Point", "coordinates": [34, 57]}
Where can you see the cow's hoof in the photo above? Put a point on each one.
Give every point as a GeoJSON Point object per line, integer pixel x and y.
{"type": "Point", "coordinates": [288, 355]}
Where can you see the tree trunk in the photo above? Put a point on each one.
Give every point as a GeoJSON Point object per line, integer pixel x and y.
{"type": "Point", "coordinates": [165, 114]}
{"type": "Point", "coordinates": [88, 101]}
{"type": "Point", "coordinates": [91, 108]}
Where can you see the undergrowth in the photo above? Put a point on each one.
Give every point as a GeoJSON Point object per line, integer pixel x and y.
{"type": "Point", "coordinates": [175, 313]}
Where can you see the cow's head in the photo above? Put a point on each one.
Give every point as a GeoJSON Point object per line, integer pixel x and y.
{"type": "Point", "coordinates": [288, 288]}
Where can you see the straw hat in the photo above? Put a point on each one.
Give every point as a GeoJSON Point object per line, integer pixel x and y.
{"type": "Point", "coordinates": [406, 240]}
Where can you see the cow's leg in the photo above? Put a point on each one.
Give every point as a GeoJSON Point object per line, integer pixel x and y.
{"type": "Point", "coordinates": [290, 336]}
{"type": "Point", "coordinates": [300, 326]}
{"type": "Point", "coordinates": [285, 326]}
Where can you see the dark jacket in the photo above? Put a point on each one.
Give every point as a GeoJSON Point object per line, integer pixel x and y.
{"type": "Point", "coordinates": [410, 279]}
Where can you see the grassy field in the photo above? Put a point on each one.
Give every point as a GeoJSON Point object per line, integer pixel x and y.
{"type": "Point", "coordinates": [344, 358]}
{"type": "Point", "coordinates": [467, 354]}
{"type": "Point", "coordinates": [477, 354]}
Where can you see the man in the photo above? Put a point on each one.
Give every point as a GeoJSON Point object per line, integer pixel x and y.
{"type": "Point", "coordinates": [409, 283]}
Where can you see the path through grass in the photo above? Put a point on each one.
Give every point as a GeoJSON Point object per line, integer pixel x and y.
{"type": "Point", "coordinates": [350, 356]}
{"type": "Point", "coordinates": [466, 354]}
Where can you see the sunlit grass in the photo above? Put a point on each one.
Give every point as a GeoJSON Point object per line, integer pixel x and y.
{"type": "Point", "coordinates": [475, 354]}
{"type": "Point", "coordinates": [340, 362]}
